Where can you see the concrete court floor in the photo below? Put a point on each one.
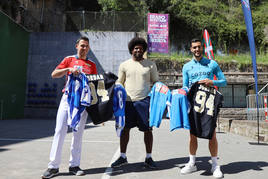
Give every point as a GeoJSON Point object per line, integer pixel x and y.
{"type": "Point", "coordinates": [25, 146]}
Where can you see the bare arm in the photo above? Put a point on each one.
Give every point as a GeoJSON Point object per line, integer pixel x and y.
{"type": "Point", "coordinates": [58, 73]}
{"type": "Point", "coordinates": [121, 76]}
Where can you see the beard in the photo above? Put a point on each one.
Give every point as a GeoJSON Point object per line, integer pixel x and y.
{"type": "Point", "coordinates": [197, 55]}
{"type": "Point", "coordinates": [138, 56]}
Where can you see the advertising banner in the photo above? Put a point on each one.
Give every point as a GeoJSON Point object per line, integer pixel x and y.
{"type": "Point", "coordinates": [157, 33]}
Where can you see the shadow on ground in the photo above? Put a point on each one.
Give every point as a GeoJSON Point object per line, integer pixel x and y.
{"type": "Point", "coordinates": [22, 130]}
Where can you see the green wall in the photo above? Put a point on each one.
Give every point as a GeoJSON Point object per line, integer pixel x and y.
{"type": "Point", "coordinates": [14, 42]}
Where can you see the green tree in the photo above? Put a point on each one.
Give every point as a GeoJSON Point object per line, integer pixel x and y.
{"type": "Point", "coordinates": [224, 19]}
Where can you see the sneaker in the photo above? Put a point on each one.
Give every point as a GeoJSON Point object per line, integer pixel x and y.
{"type": "Point", "coordinates": [76, 171]}
{"type": "Point", "coordinates": [50, 172]}
{"type": "Point", "coordinates": [189, 168]}
{"type": "Point", "coordinates": [119, 162]}
{"type": "Point", "coordinates": [150, 163]}
{"type": "Point", "coordinates": [216, 172]}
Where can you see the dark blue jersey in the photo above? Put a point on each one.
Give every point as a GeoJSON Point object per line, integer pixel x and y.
{"type": "Point", "coordinates": [205, 103]}
{"type": "Point", "coordinates": [101, 87]}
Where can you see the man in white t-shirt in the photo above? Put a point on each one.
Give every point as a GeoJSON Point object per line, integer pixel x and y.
{"type": "Point", "coordinates": [137, 76]}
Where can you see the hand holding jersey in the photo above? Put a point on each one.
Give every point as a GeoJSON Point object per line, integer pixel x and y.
{"type": "Point", "coordinates": [79, 96]}
{"type": "Point", "coordinates": [205, 103]}
{"type": "Point", "coordinates": [206, 82]}
{"type": "Point", "coordinates": [176, 103]}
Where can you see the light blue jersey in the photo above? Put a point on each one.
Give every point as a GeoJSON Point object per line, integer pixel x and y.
{"type": "Point", "coordinates": [158, 100]}
{"type": "Point", "coordinates": [119, 104]}
{"type": "Point", "coordinates": [194, 71]}
{"type": "Point", "coordinates": [178, 109]}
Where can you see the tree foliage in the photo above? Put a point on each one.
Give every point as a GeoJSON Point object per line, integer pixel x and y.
{"type": "Point", "coordinates": [224, 19]}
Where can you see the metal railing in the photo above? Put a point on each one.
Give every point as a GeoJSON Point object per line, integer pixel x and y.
{"type": "Point", "coordinates": [253, 113]}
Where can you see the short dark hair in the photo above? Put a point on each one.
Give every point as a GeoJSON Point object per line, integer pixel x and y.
{"type": "Point", "coordinates": [195, 40]}
{"type": "Point", "coordinates": [81, 38]}
{"type": "Point", "coordinates": [137, 41]}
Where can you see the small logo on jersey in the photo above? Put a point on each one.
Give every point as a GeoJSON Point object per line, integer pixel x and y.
{"type": "Point", "coordinates": [80, 68]}
{"type": "Point", "coordinates": [164, 89]}
{"type": "Point", "coordinates": [200, 74]}
{"type": "Point", "coordinates": [88, 64]}
{"type": "Point", "coordinates": [182, 91]}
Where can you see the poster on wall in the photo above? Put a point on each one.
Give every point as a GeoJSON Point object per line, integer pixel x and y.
{"type": "Point", "coordinates": [157, 33]}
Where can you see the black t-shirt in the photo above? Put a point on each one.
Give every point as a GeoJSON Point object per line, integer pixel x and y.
{"type": "Point", "coordinates": [101, 87]}
{"type": "Point", "coordinates": [205, 103]}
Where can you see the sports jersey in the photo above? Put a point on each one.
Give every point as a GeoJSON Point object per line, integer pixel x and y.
{"type": "Point", "coordinates": [78, 98]}
{"type": "Point", "coordinates": [137, 78]}
{"type": "Point", "coordinates": [84, 65]}
{"type": "Point", "coordinates": [178, 109]}
{"type": "Point", "coordinates": [205, 103]}
{"type": "Point", "coordinates": [119, 104]}
{"type": "Point", "coordinates": [194, 71]}
{"type": "Point", "coordinates": [101, 87]}
{"type": "Point", "coordinates": [158, 100]}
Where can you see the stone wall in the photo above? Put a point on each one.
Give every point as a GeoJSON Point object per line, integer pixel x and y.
{"type": "Point", "coordinates": [171, 72]}
{"type": "Point", "coordinates": [247, 128]}
{"type": "Point", "coordinates": [167, 65]}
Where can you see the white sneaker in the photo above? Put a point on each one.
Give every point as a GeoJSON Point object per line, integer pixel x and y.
{"type": "Point", "coordinates": [216, 172]}
{"type": "Point", "coordinates": [189, 168]}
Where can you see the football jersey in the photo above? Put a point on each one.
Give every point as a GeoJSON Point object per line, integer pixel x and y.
{"type": "Point", "coordinates": [119, 104]}
{"type": "Point", "coordinates": [205, 103]}
{"type": "Point", "coordinates": [84, 65]}
{"type": "Point", "coordinates": [194, 71]}
{"type": "Point", "coordinates": [101, 87]}
{"type": "Point", "coordinates": [158, 100]}
{"type": "Point", "coordinates": [78, 93]}
{"type": "Point", "coordinates": [178, 109]}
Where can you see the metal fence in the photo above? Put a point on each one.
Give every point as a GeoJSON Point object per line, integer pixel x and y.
{"type": "Point", "coordinates": [105, 21]}
{"type": "Point", "coordinates": [252, 113]}
{"type": "Point", "coordinates": [49, 20]}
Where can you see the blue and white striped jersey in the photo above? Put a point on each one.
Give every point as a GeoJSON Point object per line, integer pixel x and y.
{"type": "Point", "coordinates": [119, 104]}
{"type": "Point", "coordinates": [78, 98]}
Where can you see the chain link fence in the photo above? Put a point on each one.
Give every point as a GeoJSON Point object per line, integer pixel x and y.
{"type": "Point", "coordinates": [43, 21]}
{"type": "Point", "coordinates": [49, 20]}
{"type": "Point", "coordinates": [105, 21]}
{"type": "Point", "coordinates": [252, 113]}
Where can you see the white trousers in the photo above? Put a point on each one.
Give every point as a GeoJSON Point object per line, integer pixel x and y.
{"type": "Point", "coordinates": [60, 133]}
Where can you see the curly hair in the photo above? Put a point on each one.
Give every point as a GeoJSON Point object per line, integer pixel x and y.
{"type": "Point", "coordinates": [137, 41]}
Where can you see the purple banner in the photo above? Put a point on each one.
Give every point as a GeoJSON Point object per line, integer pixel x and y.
{"type": "Point", "coordinates": [157, 33]}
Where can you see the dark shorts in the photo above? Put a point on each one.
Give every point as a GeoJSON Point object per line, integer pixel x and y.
{"type": "Point", "coordinates": [137, 114]}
